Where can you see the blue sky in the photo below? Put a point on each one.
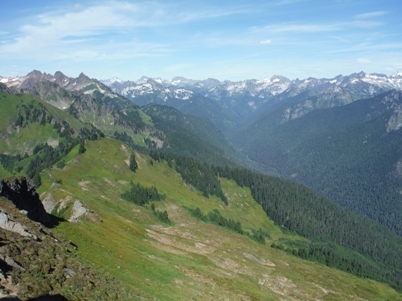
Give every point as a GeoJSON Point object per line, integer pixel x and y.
{"type": "Point", "coordinates": [232, 40]}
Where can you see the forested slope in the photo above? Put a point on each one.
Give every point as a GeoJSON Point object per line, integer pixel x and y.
{"type": "Point", "coordinates": [350, 154]}
{"type": "Point", "coordinates": [301, 210]}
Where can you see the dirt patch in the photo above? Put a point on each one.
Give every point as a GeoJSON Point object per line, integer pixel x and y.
{"type": "Point", "coordinates": [124, 149]}
{"type": "Point", "coordinates": [166, 248]}
{"type": "Point", "coordinates": [260, 261]}
{"type": "Point", "coordinates": [197, 276]}
{"type": "Point", "coordinates": [153, 257]}
{"type": "Point", "coordinates": [173, 241]}
{"type": "Point", "coordinates": [123, 182]}
{"type": "Point", "coordinates": [83, 184]}
{"type": "Point", "coordinates": [109, 182]}
{"type": "Point", "coordinates": [63, 203]}
{"type": "Point", "coordinates": [283, 287]}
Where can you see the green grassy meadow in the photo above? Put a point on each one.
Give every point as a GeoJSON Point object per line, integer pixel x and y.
{"type": "Point", "coordinates": [190, 259]}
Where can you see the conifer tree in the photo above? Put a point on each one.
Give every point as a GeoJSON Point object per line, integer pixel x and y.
{"type": "Point", "coordinates": [133, 164]}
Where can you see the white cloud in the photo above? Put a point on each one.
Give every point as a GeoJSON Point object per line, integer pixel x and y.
{"type": "Point", "coordinates": [371, 15]}
{"type": "Point", "coordinates": [86, 31]}
{"type": "Point", "coordinates": [265, 42]}
{"type": "Point", "coordinates": [97, 32]}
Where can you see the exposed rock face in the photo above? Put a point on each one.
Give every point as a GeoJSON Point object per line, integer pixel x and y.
{"type": "Point", "coordinates": [24, 196]}
{"type": "Point", "coordinates": [4, 89]}
{"type": "Point", "coordinates": [78, 210]}
{"type": "Point", "coordinates": [7, 224]}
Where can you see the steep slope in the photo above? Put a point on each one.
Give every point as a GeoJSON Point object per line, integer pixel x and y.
{"type": "Point", "coordinates": [36, 264]}
{"type": "Point", "coordinates": [184, 257]}
{"type": "Point", "coordinates": [350, 153]}
{"type": "Point", "coordinates": [36, 135]}
{"type": "Point", "coordinates": [191, 136]}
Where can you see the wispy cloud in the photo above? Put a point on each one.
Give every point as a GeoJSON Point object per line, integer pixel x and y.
{"type": "Point", "coordinates": [265, 42]}
{"type": "Point", "coordinates": [88, 31]}
{"type": "Point", "coordinates": [54, 33]}
{"type": "Point", "coordinates": [371, 15]}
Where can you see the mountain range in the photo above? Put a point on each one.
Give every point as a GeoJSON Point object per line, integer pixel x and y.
{"type": "Point", "coordinates": [244, 100]}
{"type": "Point", "coordinates": [282, 125]}
{"type": "Point", "coordinates": [148, 192]}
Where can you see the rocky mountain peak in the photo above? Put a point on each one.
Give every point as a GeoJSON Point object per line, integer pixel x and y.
{"type": "Point", "coordinates": [35, 73]}
{"type": "Point", "coordinates": [59, 76]}
{"type": "Point", "coordinates": [82, 76]}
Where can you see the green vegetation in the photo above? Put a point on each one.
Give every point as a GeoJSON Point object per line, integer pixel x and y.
{"type": "Point", "coordinates": [189, 136]}
{"type": "Point", "coordinates": [198, 174]}
{"type": "Point", "coordinates": [216, 218]}
{"type": "Point", "coordinates": [133, 163]}
{"type": "Point", "coordinates": [43, 131]}
{"type": "Point", "coordinates": [346, 153]}
{"type": "Point", "coordinates": [51, 264]}
{"type": "Point", "coordinates": [299, 209]}
{"type": "Point", "coordinates": [131, 245]}
{"type": "Point", "coordinates": [161, 215]}
{"type": "Point", "coordinates": [137, 235]}
{"type": "Point", "coordinates": [140, 195]}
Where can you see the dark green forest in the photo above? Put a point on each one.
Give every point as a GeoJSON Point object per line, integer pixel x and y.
{"type": "Point", "coordinates": [299, 209]}
{"type": "Point", "coordinates": [346, 153]}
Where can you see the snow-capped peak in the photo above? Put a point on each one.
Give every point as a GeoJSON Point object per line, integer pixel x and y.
{"type": "Point", "coordinates": [397, 75]}
{"type": "Point", "coordinates": [114, 80]}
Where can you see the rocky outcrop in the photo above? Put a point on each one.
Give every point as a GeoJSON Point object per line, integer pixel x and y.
{"type": "Point", "coordinates": [4, 89]}
{"type": "Point", "coordinates": [78, 210]}
{"type": "Point", "coordinates": [24, 196]}
{"type": "Point", "coordinates": [9, 225]}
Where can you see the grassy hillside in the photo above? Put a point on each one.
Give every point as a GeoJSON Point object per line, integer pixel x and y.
{"type": "Point", "coordinates": [26, 121]}
{"type": "Point", "coordinates": [35, 134]}
{"type": "Point", "coordinates": [188, 259]}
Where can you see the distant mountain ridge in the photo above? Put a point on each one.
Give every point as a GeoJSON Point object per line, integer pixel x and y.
{"type": "Point", "coordinates": [227, 104]}
{"type": "Point", "coordinates": [248, 99]}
